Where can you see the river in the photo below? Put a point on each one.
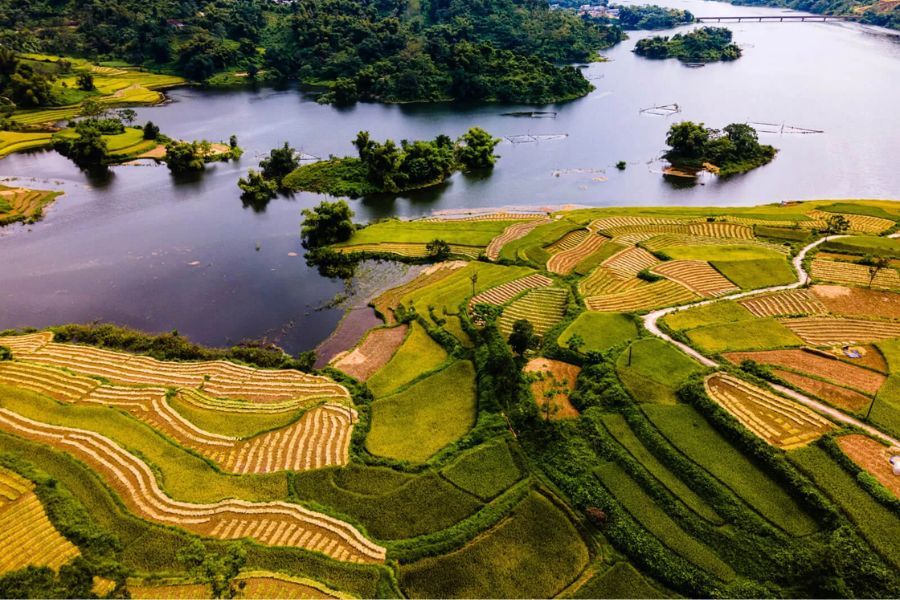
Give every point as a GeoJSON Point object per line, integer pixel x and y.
{"type": "Point", "coordinates": [144, 249]}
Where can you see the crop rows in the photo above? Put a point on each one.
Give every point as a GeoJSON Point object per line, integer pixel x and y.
{"type": "Point", "coordinates": [52, 382]}
{"type": "Point", "coordinates": [859, 223]}
{"type": "Point", "coordinates": [602, 281]}
{"type": "Point", "coordinates": [631, 239]}
{"type": "Point", "coordinates": [29, 538]}
{"type": "Point", "coordinates": [777, 420]}
{"type": "Point", "coordinates": [198, 399]}
{"type": "Point", "coordinates": [698, 276]}
{"type": "Point", "coordinates": [373, 353]}
{"type": "Point", "coordinates": [262, 584]}
{"type": "Point", "coordinates": [654, 295]}
{"type": "Point", "coordinates": [815, 363]}
{"type": "Point", "coordinates": [608, 223]}
{"type": "Point", "coordinates": [767, 222]}
{"type": "Point", "coordinates": [543, 307]}
{"type": "Point", "coordinates": [389, 299]}
{"type": "Point", "coordinates": [568, 241]}
{"type": "Point", "coordinates": [501, 294]}
{"type": "Point", "coordinates": [824, 331]}
{"type": "Point", "coordinates": [630, 261]}
{"type": "Point", "coordinates": [270, 523]}
{"type": "Point", "coordinates": [661, 242]}
{"type": "Point", "coordinates": [487, 216]}
{"type": "Point", "coordinates": [511, 233]}
{"type": "Point", "coordinates": [787, 302]}
{"type": "Point", "coordinates": [872, 456]}
{"type": "Point", "coordinates": [851, 274]}
{"type": "Point", "coordinates": [413, 250]}
{"type": "Point", "coordinates": [217, 378]}
{"type": "Point", "coordinates": [31, 342]}
{"type": "Point", "coordinates": [713, 229]}
{"type": "Point", "coordinates": [563, 262]}
{"type": "Point", "coordinates": [27, 203]}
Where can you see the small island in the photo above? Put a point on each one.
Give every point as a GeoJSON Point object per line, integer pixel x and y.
{"type": "Point", "coordinates": [19, 204]}
{"type": "Point", "coordinates": [389, 168]}
{"type": "Point", "coordinates": [703, 45]}
{"type": "Point", "coordinates": [651, 16]}
{"type": "Point", "coordinates": [733, 150]}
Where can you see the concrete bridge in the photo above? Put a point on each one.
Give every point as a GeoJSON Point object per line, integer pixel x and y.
{"type": "Point", "coordinates": [776, 18]}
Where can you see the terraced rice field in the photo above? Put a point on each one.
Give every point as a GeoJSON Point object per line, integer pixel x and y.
{"type": "Point", "coordinates": [27, 537]}
{"type": "Point", "coordinates": [321, 437]}
{"type": "Point", "coordinates": [816, 364]}
{"type": "Point", "coordinates": [17, 141]}
{"type": "Point", "coordinates": [278, 585]}
{"type": "Point", "coordinates": [698, 276]}
{"type": "Point", "coordinates": [21, 204]}
{"type": "Point", "coordinates": [391, 298]}
{"type": "Point", "coordinates": [829, 392]}
{"type": "Point", "coordinates": [661, 242]}
{"type": "Point", "coordinates": [217, 378]}
{"type": "Point", "coordinates": [564, 262]}
{"type": "Point", "coordinates": [873, 457]}
{"type": "Point", "coordinates": [609, 223]}
{"type": "Point", "coordinates": [654, 295]}
{"type": "Point", "coordinates": [718, 229]}
{"type": "Point", "coordinates": [375, 351]}
{"type": "Point", "coordinates": [630, 261]}
{"type": "Point", "coordinates": [858, 302]}
{"type": "Point", "coordinates": [777, 420]}
{"type": "Point", "coordinates": [485, 216]}
{"type": "Point", "coordinates": [568, 241]}
{"type": "Point", "coordinates": [825, 331]}
{"type": "Point", "coordinates": [543, 307]}
{"type": "Point", "coordinates": [513, 232]}
{"type": "Point", "coordinates": [851, 274]}
{"type": "Point", "coordinates": [603, 281]}
{"type": "Point", "coordinates": [501, 294]}
{"type": "Point", "coordinates": [553, 381]}
{"type": "Point", "coordinates": [788, 302]}
{"type": "Point", "coordinates": [858, 223]}
{"type": "Point", "coordinates": [270, 523]}
{"type": "Point", "coordinates": [412, 250]}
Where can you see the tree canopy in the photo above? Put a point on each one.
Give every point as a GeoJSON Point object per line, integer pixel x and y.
{"type": "Point", "coordinates": [327, 223]}
{"type": "Point", "coordinates": [734, 149]}
{"type": "Point", "coordinates": [703, 45]}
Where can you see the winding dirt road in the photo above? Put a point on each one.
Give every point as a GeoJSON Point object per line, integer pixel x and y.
{"type": "Point", "coordinates": [650, 322]}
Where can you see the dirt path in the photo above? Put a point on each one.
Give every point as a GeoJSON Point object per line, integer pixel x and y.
{"type": "Point", "coordinates": [650, 322]}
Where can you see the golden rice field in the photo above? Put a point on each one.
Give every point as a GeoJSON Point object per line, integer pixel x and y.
{"type": "Point", "coordinates": [511, 233]}
{"type": "Point", "coordinates": [503, 293]}
{"type": "Point", "coordinates": [858, 223]}
{"type": "Point", "coordinates": [26, 535]}
{"type": "Point", "coordinates": [602, 281]}
{"type": "Point", "coordinates": [630, 261]}
{"type": "Point", "coordinates": [829, 331]}
{"type": "Point", "coordinates": [661, 242]}
{"type": "Point", "coordinates": [852, 274]}
{"type": "Point", "coordinates": [646, 297]}
{"type": "Point", "coordinates": [788, 302]}
{"type": "Point", "coordinates": [568, 241]}
{"type": "Point", "coordinates": [698, 276]}
{"type": "Point", "coordinates": [609, 223]}
{"type": "Point", "coordinates": [543, 307]}
{"type": "Point", "coordinates": [564, 262]}
{"type": "Point", "coordinates": [775, 419]}
{"type": "Point", "coordinates": [17, 141]}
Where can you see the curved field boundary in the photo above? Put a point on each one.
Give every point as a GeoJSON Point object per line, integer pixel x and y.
{"type": "Point", "coordinates": [412, 250]}
{"type": "Point", "coordinates": [389, 299]}
{"type": "Point", "coordinates": [852, 274]}
{"type": "Point", "coordinates": [31, 342]}
{"type": "Point", "coordinates": [718, 229]}
{"type": "Point", "coordinates": [373, 353]}
{"type": "Point", "coordinates": [769, 222]}
{"type": "Point", "coordinates": [198, 399]}
{"type": "Point", "coordinates": [24, 204]}
{"type": "Point", "coordinates": [543, 307]}
{"type": "Point", "coordinates": [512, 233]}
{"type": "Point", "coordinates": [501, 294]}
{"type": "Point", "coordinates": [825, 331]}
{"type": "Point", "coordinates": [777, 420]}
{"type": "Point", "coordinates": [668, 240]}
{"type": "Point", "coordinates": [321, 437]}
{"type": "Point", "coordinates": [217, 378]}
{"type": "Point", "coordinates": [26, 534]}
{"type": "Point", "coordinates": [813, 363]}
{"type": "Point", "coordinates": [630, 261]}
{"type": "Point", "coordinates": [698, 276]}
{"type": "Point", "coordinates": [269, 523]}
{"type": "Point", "coordinates": [831, 393]}
{"type": "Point", "coordinates": [602, 281]}
{"type": "Point", "coordinates": [265, 584]}
{"type": "Point", "coordinates": [788, 302]}
{"type": "Point", "coordinates": [860, 223]}
{"type": "Point", "coordinates": [488, 216]}
{"type": "Point", "coordinates": [563, 262]}
{"type": "Point", "coordinates": [568, 241]}
{"type": "Point", "coordinates": [646, 297]}
{"type": "Point", "coordinates": [608, 223]}
{"type": "Point", "coordinates": [873, 457]}
{"type": "Point", "coordinates": [632, 239]}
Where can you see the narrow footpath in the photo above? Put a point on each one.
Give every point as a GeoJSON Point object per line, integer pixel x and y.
{"type": "Point", "coordinates": [650, 322]}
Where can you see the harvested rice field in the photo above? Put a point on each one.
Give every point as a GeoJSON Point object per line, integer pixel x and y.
{"type": "Point", "coordinates": [858, 302]}
{"type": "Point", "coordinates": [824, 331]}
{"type": "Point", "coordinates": [551, 383]}
{"type": "Point", "coordinates": [873, 457]}
{"type": "Point", "coordinates": [373, 353]}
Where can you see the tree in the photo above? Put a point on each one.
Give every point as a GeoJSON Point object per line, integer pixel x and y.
{"type": "Point", "coordinates": [233, 142]}
{"type": "Point", "coordinates": [485, 314]}
{"type": "Point", "coordinates": [185, 157]}
{"type": "Point", "coordinates": [836, 224]}
{"type": "Point", "coordinates": [126, 114]}
{"type": "Point", "coordinates": [91, 107]}
{"type": "Point", "coordinates": [217, 569]}
{"type": "Point", "coordinates": [5, 353]}
{"type": "Point", "coordinates": [85, 82]}
{"type": "Point", "coordinates": [522, 337]}
{"type": "Point", "coordinates": [151, 131]}
{"type": "Point", "coordinates": [475, 149]}
{"type": "Point", "coordinates": [575, 342]}
{"type": "Point", "coordinates": [437, 250]}
{"type": "Point", "coordinates": [878, 263]}
{"type": "Point", "coordinates": [279, 163]}
{"type": "Point", "coordinates": [327, 223]}
{"type": "Point", "coordinates": [87, 148]}
{"type": "Point", "coordinates": [687, 140]}
{"type": "Point", "coordinates": [256, 190]}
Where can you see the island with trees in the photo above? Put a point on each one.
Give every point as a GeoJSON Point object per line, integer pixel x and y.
{"type": "Point", "coordinates": [733, 150]}
{"type": "Point", "coordinates": [651, 16]}
{"type": "Point", "coordinates": [703, 45]}
{"type": "Point", "coordinates": [391, 168]}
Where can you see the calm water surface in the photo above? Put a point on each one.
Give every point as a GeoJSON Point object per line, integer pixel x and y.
{"type": "Point", "coordinates": [144, 249]}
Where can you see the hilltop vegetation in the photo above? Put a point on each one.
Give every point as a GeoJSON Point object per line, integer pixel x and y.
{"type": "Point", "coordinates": [703, 45]}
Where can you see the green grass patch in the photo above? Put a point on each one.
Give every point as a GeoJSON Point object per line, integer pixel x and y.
{"type": "Point", "coordinates": [600, 331]}
{"type": "Point", "coordinates": [536, 239]}
{"type": "Point", "coordinates": [688, 431]}
{"type": "Point", "coordinates": [243, 425]}
{"type": "Point", "coordinates": [535, 553]}
{"type": "Point", "coordinates": [758, 334]}
{"type": "Point", "coordinates": [421, 504]}
{"type": "Point", "coordinates": [182, 474]}
{"type": "Point", "coordinates": [757, 273]}
{"type": "Point", "coordinates": [659, 524]}
{"type": "Point", "coordinates": [793, 234]}
{"type": "Point", "coordinates": [656, 371]}
{"type": "Point", "coordinates": [464, 233]}
{"type": "Point", "coordinates": [418, 354]}
{"type": "Point", "coordinates": [485, 471]}
{"type": "Point", "coordinates": [878, 524]}
{"type": "Point", "coordinates": [891, 351]}
{"type": "Point", "coordinates": [419, 421]}
{"type": "Point", "coordinates": [619, 429]}
{"type": "Point", "coordinates": [619, 581]}
{"type": "Point", "coordinates": [865, 244]}
{"type": "Point", "coordinates": [336, 176]}
{"type": "Point", "coordinates": [882, 209]}
{"type": "Point", "coordinates": [712, 253]}
{"type": "Point", "coordinates": [886, 411]}
{"type": "Point", "coordinates": [709, 314]}
{"type": "Point", "coordinates": [17, 141]}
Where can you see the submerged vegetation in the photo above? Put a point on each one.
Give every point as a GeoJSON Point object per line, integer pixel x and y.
{"type": "Point", "coordinates": [703, 45]}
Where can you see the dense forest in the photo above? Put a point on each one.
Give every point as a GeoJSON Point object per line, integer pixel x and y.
{"type": "Point", "coordinates": [707, 44]}
{"type": "Point", "coordinates": [381, 50]}
{"type": "Point", "coordinates": [735, 149]}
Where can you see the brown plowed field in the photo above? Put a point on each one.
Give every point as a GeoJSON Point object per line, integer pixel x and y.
{"type": "Point", "coordinates": [375, 351]}
{"type": "Point", "coordinates": [833, 394]}
{"type": "Point", "coordinates": [873, 457]}
{"type": "Point", "coordinates": [806, 362]}
{"type": "Point", "coordinates": [858, 302]}
{"type": "Point", "coordinates": [557, 380]}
